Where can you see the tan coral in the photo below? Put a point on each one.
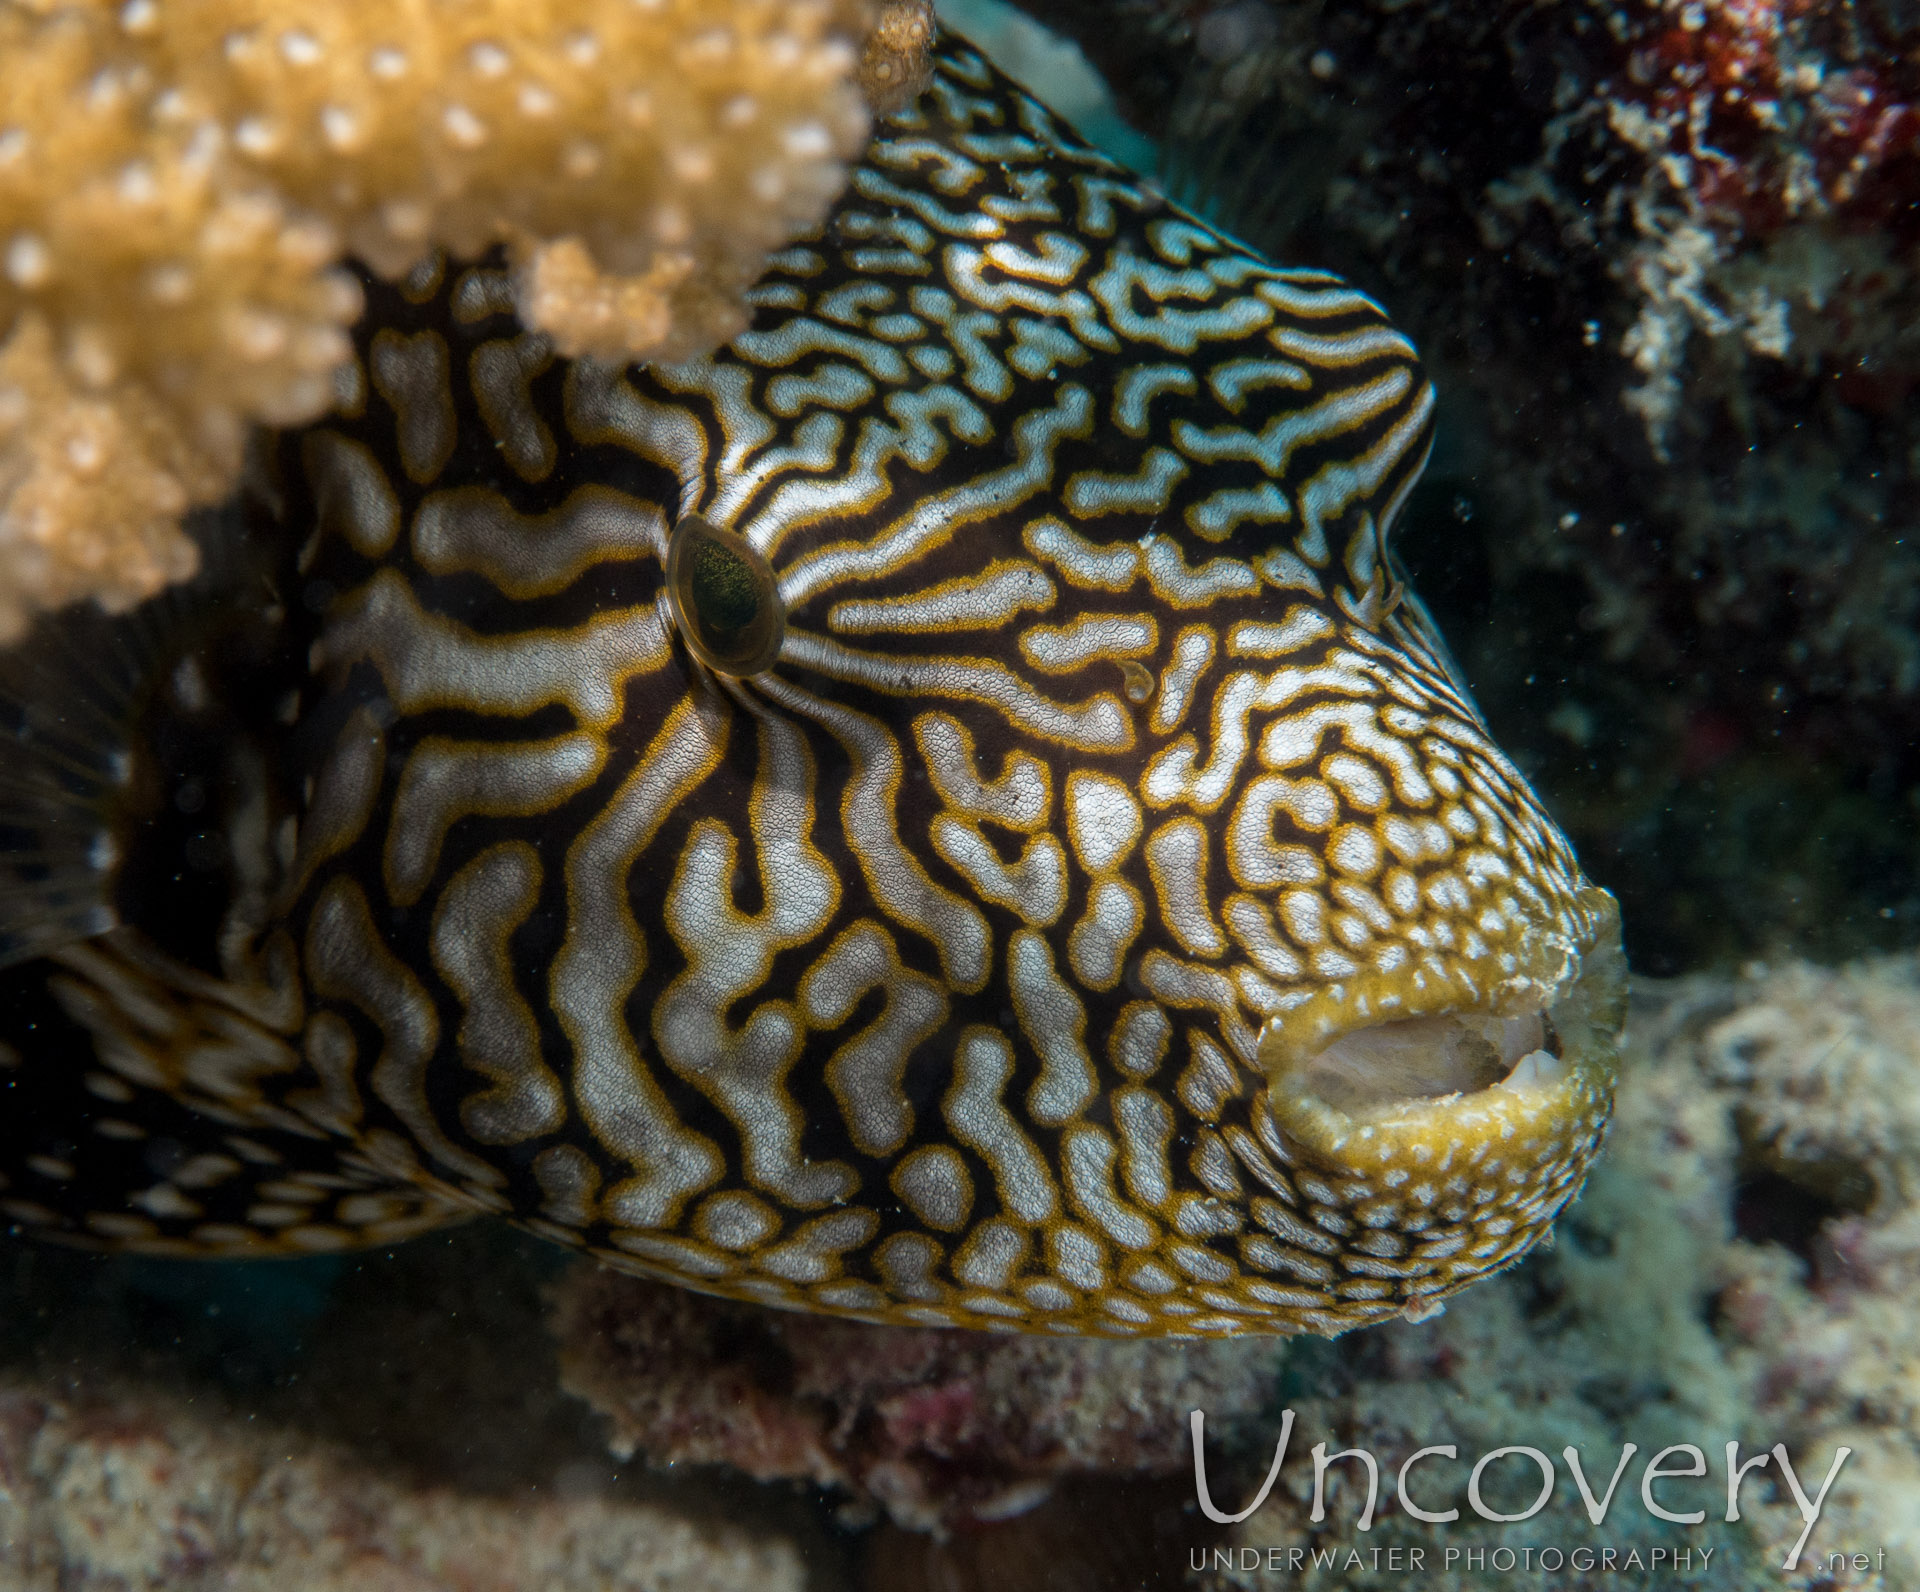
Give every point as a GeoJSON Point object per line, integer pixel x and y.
{"type": "Point", "coordinates": [178, 181]}
{"type": "Point", "coordinates": [124, 1490]}
{"type": "Point", "coordinates": [898, 61]}
{"type": "Point", "coordinates": [684, 129]}
{"type": "Point", "coordinates": [151, 307]}
{"type": "Point", "coordinates": [114, 465]}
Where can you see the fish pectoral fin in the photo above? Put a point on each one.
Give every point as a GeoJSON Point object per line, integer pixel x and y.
{"type": "Point", "coordinates": [89, 1157]}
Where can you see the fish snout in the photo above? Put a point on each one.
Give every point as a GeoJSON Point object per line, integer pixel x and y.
{"type": "Point", "coordinates": [1447, 1134]}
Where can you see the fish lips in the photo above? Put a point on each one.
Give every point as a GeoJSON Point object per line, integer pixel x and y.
{"type": "Point", "coordinates": [1459, 1131]}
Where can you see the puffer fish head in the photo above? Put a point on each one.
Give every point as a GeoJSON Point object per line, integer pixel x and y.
{"type": "Point", "coordinates": [944, 811]}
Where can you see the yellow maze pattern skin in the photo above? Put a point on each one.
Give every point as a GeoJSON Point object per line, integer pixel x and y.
{"type": "Point", "coordinates": [905, 817]}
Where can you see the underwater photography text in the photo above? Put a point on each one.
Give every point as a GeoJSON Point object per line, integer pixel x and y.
{"type": "Point", "coordinates": [1673, 1463]}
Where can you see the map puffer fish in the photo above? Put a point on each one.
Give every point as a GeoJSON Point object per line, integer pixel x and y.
{"type": "Point", "coordinates": [943, 812]}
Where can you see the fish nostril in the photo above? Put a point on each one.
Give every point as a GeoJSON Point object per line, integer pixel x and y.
{"type": "Point", "coordinates": [724, 598]}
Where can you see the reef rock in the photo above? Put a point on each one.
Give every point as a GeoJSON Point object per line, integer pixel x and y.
{"type": "Point", "coordinates": [938, 1426]}
{"type": "Point", "coordinates": [390, 1422]}
{"type": "Point", "coordinates": [122, 1491]}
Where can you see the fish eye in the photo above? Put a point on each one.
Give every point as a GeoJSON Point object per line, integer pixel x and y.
{"type": "Point", "coordinates": [723, 598]}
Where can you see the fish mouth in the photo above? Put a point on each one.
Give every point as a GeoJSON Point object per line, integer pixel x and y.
{"type": "Point", "coordinates": [1460, 1073]}
{"type": "Point", "coordinates": [1477, 1121]}
{"type": "Point", "coordinates": [1389, 1066]}
{"type": "Point", "coordinates": [1532, 1044]}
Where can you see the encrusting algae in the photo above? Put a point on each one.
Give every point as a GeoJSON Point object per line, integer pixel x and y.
{"type": "Point", "coordinates": [179, 180]}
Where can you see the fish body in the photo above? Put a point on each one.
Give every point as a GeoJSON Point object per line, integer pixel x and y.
{"type": "Point", "coordinates": [942, 812]}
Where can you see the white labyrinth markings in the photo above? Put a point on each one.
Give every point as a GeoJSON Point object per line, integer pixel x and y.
{"type": "Point", "coordinates": [871, 824]}
{"type": "Point", "coordinates": [744, 1069]}
{"type": "Point", "coordinates": [865, 1072]}
{"type": "Point", "coordinates": [598, 965]}
{"type": "Point", "coordinates": [980, 602]}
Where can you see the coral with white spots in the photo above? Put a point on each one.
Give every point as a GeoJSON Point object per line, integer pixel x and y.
{"type": "Point", "coordinates": [178, 181]}
{"type": "Point", "coordinates": [898, 61]}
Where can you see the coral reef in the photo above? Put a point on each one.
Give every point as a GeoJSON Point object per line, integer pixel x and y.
{"type": "Point", "coordinates": [178, 181]}
{"type": "Point", "coordinates": [387, 1423]}
{"type": "Point", "coordinates": [1745, 1264]}
{"type": "Point", "coordinates": [939, 1427]}
{"type": "Point", "coordinates": [1825, 1066]}
{"type": "Point", "coordinates": [1088, 1536]}
{"type": "Point", "coordinates": [1661, 258]}
{"type": "Point", "coordinates": [129, 1491]}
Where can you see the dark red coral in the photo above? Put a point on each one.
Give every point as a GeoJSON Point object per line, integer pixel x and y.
{"type": "Point", "coordinates": [939, 1427]}
{"type": "Point", "coordinates": [1783, 108]}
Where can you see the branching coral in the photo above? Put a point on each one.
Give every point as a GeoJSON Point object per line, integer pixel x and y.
{"type": "Point", "coordinates": [178, 179]}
